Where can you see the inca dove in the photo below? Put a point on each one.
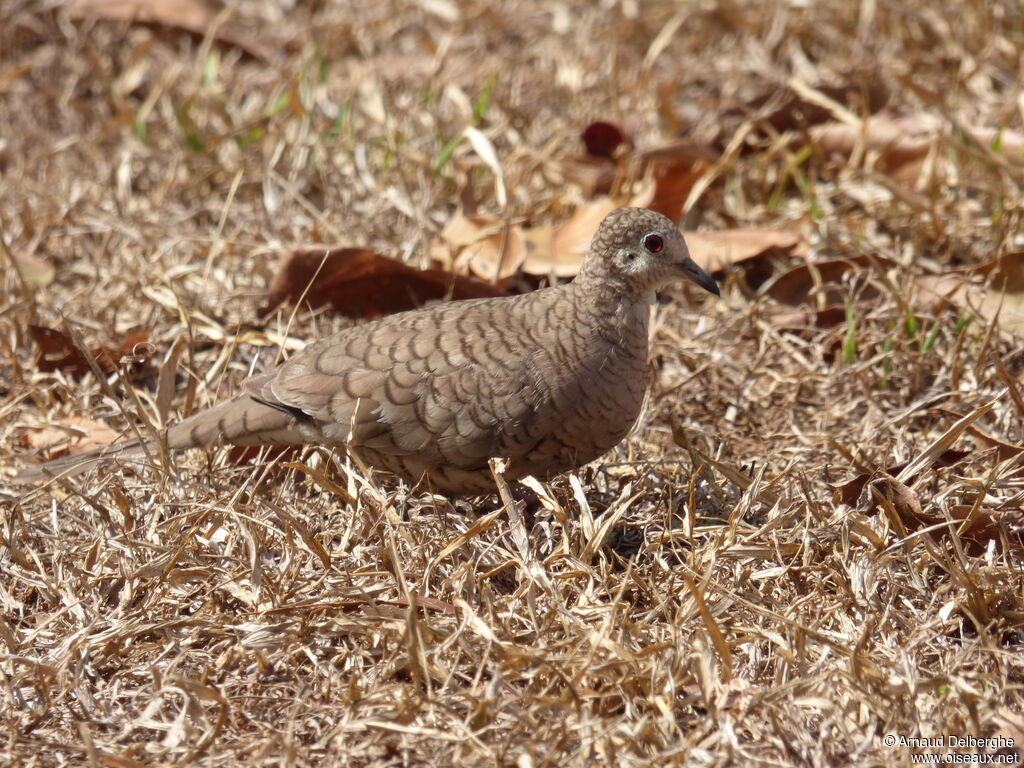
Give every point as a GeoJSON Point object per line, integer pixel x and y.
{"type": "Point", "coordinates": [549, 380]}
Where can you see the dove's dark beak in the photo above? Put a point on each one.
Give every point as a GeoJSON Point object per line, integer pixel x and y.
{"type": "Point", "coordinates": [698, 276]}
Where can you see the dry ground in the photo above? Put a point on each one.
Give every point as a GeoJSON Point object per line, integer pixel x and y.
{"type": "Point", "coordinates": [703, 595]}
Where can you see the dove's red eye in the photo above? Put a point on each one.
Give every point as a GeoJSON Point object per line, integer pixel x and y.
{"type": "Point", "coordinates": [653, 243]}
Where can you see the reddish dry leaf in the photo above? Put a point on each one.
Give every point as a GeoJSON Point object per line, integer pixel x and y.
{"type": "Point", "coordinates": [192, 16]}
{"type": "Point", "coordinates": [674, 167]}
{"type": "Point", "coordinates": [69, 436]}
{"type": "Point", "coordinates": [794, 287]}
{"type": "Point", "coordinates": [593, 175]}
{"type": "Point", "coordinates": [595, 172]}
{"type": "Point", "coordinates": [360, 283]}
{"type": "Point", "coordinates": [717, 250]}
{"type": "Point", "coordinates": [673, 182]}
{"type": "Point", "coordinates": [278, 455]}
{"type": "Point", "coordinates": [603, 139]}
{"type": "Point", "coordinates": [55, 351]}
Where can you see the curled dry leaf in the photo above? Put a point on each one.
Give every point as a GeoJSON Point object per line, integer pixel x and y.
{"type": "Point", "coordinates": [193, 16]}
{"type": "Point", "coordinates": [717, 250]}
{"type": "Point", "coordinates": [360, 283]}
{"type": "Point", "coordinates": [897, 496]}
{"type": "Point", "coordinates": [559, 251]}
{"type": "Point", "coordinates": [481, 244]}
{"type": "Point", "coordinates": [55, 351]}
{"type": "Point", "coordinates": [69, 436]}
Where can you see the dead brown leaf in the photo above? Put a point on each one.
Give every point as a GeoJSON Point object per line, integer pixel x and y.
{"type": "Point", "coordinates": [1004, 450]}
{"type": "Point", "coordinates": [360, 283]}
{"type": "Point", "coordinates": [56, 351]}
{"type": "Point", "coordinates": [995, 290]}
{"type": "Point", "coordinates": [897, 141]}
{"type": "Point", "coordinates": [68, 437]}
{"type": "Point", "coordinates": [481, 244]}
{"type": "Point", "coordinates": [794, 287]}
{"type": "Point", "coordinates": [902, 144]}
{"type": "Point", "coordinates": [674, 168]}
{"type": "Point", "coordinates": [848, 492]}
{"type": "Point", "coordinates": [559, 251]}
{"type": "Point", "coordinates": [894, 497]}
{"type": "Point", "coordinates": [717, 250]}
{"type": "Point", "coordinates": [975, 527]}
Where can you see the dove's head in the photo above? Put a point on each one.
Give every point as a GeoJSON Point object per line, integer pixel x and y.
{"type": "Point", "coordinates": [644, 251]}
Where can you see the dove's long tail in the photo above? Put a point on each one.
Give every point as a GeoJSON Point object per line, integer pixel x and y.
{"type": "Point", "coordinates": [238, 421]}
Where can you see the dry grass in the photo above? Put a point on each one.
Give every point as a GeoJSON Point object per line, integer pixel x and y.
{"type": "Point", "coordinates": [713, 606]}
